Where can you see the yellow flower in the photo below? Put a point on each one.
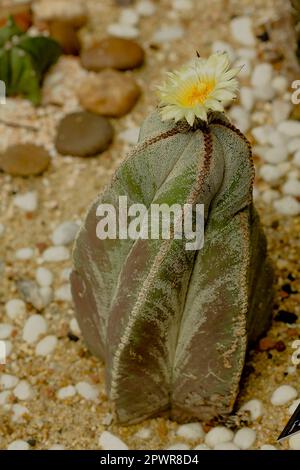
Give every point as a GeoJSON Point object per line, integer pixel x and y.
{"type": "Point", "coordinates": [203, 86]}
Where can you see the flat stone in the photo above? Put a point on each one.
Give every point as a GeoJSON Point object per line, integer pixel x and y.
{"type": "Point", "coordinates": [83, 134]}
{"type": "Point", "coordinates": [113, 52]}
{"type": "Point", "coordinates": [24, 160]}
{"type": "Point", "coordinates": [110, 93]}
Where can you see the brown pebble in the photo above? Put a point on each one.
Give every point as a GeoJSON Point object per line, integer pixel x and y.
{"type": "Point", "coordinates": [280, 346]}
{"type": "Point", "coordinates": [24, 160]}
{"type": "Point", "coordinates": [65, 34]}
{"type": "Point", "coordinates": [265, 344]}
{"type": "Point", "coordinates": [110, 93]}
{"type": "Point", "coordinates": [112, 52]}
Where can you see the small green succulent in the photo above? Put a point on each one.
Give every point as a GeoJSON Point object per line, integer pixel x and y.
{"type": "Point", "coordinates": [24, 60]}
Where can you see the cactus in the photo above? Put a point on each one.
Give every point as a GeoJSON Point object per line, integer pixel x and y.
{"type": "Point", "coordinates": [173, 325]}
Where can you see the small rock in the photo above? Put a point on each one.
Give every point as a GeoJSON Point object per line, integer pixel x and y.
{"type": "Point", "coordinates": [114, 53]}
{"type": "Point", "coordinates": [291, 187]}
{"type": "Point", "coordinates": [276, 155]}
{"type": "Point", "coordinates": [247, 98]}
{"type": "Point", "coordinates": [28, 202]}
{"type": "Point", "coordinates": [248, 53]}
{"type": "Point", "coordinates": [108, 441]}
{"type": "Point", "coordinates": [294, 406]}
{"type": "Point", "coordinates": [5, 330]}
{"type": "Point", "coordinates": [15, 308]}
{"type": "Point", "coordinates": [241, 118]}
{"type": "Point", "coordinates": [294, 442]}
{"type": "Point", "coordinates": [226, 446]}
{"type": "Point", "coordinates": [8, 381]}
{"type": "Point", "coordinates": [66, 392]}
{"type": "Point", "coordinates": [143, 433]}
{"type": "Point", "coordinates": [266, 344]}
{"type": "Point", "coordinates": [270, 195]}
{"type": "Point", "coordinates": [57, 447]}
{"type": "Point", "coordinates": [87, 391]}
{"type": "Point", "coordinates": [190, 431]}
{"type": "Point", "coordinates": [280, 110]}
{"type": "Point", "coordinates": [280, 84]}
{"type": "Point", "coordinates": [44, 277]}
{"type": "Point", "coordinates": [121, 30]}
{"type": "Point", "coordinates": [270, 173]}
{"type": "Point", "coordinates": [218, 435]}
{"type": "Point", "coordinates": [264, 93]}
{"type": "Point", "coordinates": [5, 397]}
{"type": "Point", "coordinates": [24, 254]}
{"type": "Point", "coordinates": [244, 438]}
{"type": "Point", "coordinates": [110, 93]}
{"type": "Point", "coordinates": [23, 391]}
{"type": "Point", "coordinates": [178, 446]}
{"type": "Point", "coordinates": [83, 134]}
{"type": "Point", "coordinates": [8, 348]}
{"type": "Point", "coordinates": [46, 346]}
{"type": "Point", "coordinates": [55, 254]}
{"type": "Point", "coordinates": [255, 407]}
{"type": "Point", "coordinates": [202, 447]}
{"type": "Point", "coordinates": [18, 445]}
{"type": "Point", "coordinates": [242, 31]}
{"type": "Point", "coordinates": [129, 17]}
{"type": "Point", "coordinates": [288, 205]}
{"type": "Point", "coordinates": [24, 160]}
{"type": "Point", "coordinates": [75, 327]}
{"type": "Point", "coordinates": [294, 146]}
{"type": "Point", "coordinates": [289, 128]}
{"type": "Point", "coordinates": [66, 35]}
{"type": "Point", "coordinates": [283, 395]}
{"type": "Point", "coordinates": [261, 134]}
{"type": "Point", "coordinates": [222, 46]}
{"type": "Point", "coordinates": [168, 33]}
{"type": "Point", "coordinates": [146, 8]}
{"type": "Point", "coordinates": [182, 5]}
{"type": "Point", "coordinates": [18, 412]}
{"type": "Point", "coordinates": [262, 75]}
{"type": "Point", "coordinates": [268, 447]}
{"type": "Point", "coordinates": [63, 294]}
{"type": "Point", "coordinates": [37, 296]}
{"type": "Point", "coordinates": [34, 327]}
{"type": "Point", "coordinates": [131, 135]}
{"type": "Point", "coordinates": [65, 233]}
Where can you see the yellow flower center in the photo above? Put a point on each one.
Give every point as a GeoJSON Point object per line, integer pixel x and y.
{"type": "Point", "coordinates": [196, 94]}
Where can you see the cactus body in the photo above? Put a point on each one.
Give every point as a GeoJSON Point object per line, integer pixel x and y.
{"type": "Point", "coordinates": [173, 325]}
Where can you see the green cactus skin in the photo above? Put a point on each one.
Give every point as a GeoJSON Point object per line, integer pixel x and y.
{"type": "Point", "coordinates": [173, 325]}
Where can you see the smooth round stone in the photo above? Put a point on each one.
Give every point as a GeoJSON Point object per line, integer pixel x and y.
{"type": "Point", "coordinates": [226, 446]}
{"type": "Point", "coordinates": [291, 187]}
{"type": "Point", "coordinates": [294, 442]}
{"type": "Point", "coordinates": [27, 202]}
{"type": "Point", "coordinates": [54, 254]}
{"type": "Point", "coordinates": [8, 381]}
{"type": "Point", "coordinates": [262, 75]}
{"type": "Point", "coordinates": [18, 445]}
{"type": "Point", "coordinates": [244, 438]}
{"type": "Point", "coordinates": [294, 146]}
{"type": "Point", "coordinates": [15, 308]}
{"type": "Point", "coordinates": [24, 160]}
{"type": "Point", "coordinates": [23, 390]}
{"type": "Point", "coordinates": [276, 155]}
{"type": "Point", "coordinates": [34, 327]}
{"type": "Point", "coordinates": [270, 173]}
{"type": "Point", "coordinates": [190, 431]}
{"type": "Point", "coordinates": [270, 195]}
{"type": "Point", "coordinates": [24, 254]}
{"type": "Point", "coordinates": [44, 277]}
{"type": "Point", "coordinates": [113, 52]}
{"type": "Point", "coordinates": [63, 293]}
{"type": "Point", "coordinates": [280, 84]}
{"type": "Point", "coordinates": [65, 34]}
{"type": "Point", "coordinates": [242, 30]}
{"type": "Point", "coordinates": [124, 31]}
{"type": "Point", "coordinates": [66, 392]}
{"type": "Point", "coordinates": [289, 128]}
{"type": "Point", "coordinates": [18, 412]}
{"type": "Point", "coordinates": [131, 135]}
{"type": "Point", "coordinates": [109, 441]}
{"type": "Point", "coordinates": [168, 34]}
{"type": "Point", "coordinates": [146, 8]}
{"type": "Point", "coordinates": [5, 397]}
{"type": "Point", "coordinates": [5, 330]}
{"type": "Point", "coordinates": [87, 391]}
{"type": "Point", "coordinates": [255, 407]}
{"type": "Point", "coordinates": [268, 447]}
{"type": "Point", "coordinates": [75, 327]}
{"type": "Point", "coordinates": [83, 134]}
{"type": "Point", "coordinates": [218, 435]}
{"type": "Point", "coordinates": [287, 205]}
{"type": "Point", "coordinates": [280, 110]}
{"type": "Point", "coordinates": [283, 394]}
{"type": "Point", "coordinates": [65, 233]}
{"type": "Point", "coordinates": [240, 117]}
{"type": "Point", "coordinates": [247, 98]}
{"type": "Point", "coordinates": [110, 93]}
{"type": "Point", "coordinates": [46, 346]}
{"type": "Point", "coordinates": [129, 16]}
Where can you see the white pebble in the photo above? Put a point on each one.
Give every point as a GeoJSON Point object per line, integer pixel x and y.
{"type": "Point", "coordinates": [262, 75]}
{"type": "Point", "coordinates": [280, 84]}
{"type": "Point", "coordinates": [28, 202]}
{"type": "Point", "coordinates": [202, 447]}
{"type": "Point", "coordinates": [4, 397]}
{"type": "Point", "coordinates": [23, 390]}
{"type": "Point", "coordinates": [268, 447]}
{"type": "Point", "coordinates": [289, 128]}
{"type": "Point", "coordinates": [65, 274]}
{"type": "Point", "coordinates": [276, 155]}
{"type": "Point", "coordinates": [294, 406]}
{"type": "Point", "coordinates": [182, 4]}
{"type": "Point", "coordinates": [218, 435]}
{"type": "Point", "coordinates": [294, 146]}
{"type": "Point", "coordinates": [87, 391]}
{"type": "Point", "coordinates": [222, 46]}
{"type": "Point", "coordinates": [178, 446]}
{"type": "Point", "coordinates": [145, 8]}
{"type": "Point", "coordinates": [283, 394]}
{"type": "Point", "coordinates": [242, 31]}
{"type": "Point", "coordinates": [34, 327]}
{"type": "Point", "coordinates": [24, 254]}
{"type": "Point", "coordinates": [65, 233]}
{"type": "Point", "coordinates": [143, 433]}
{"type": "Point", "coordinates": [190, 431]}
{"type": "Point", "coordinates": [168, 33]}
{"type": "Point", "coordinates": [129, 17]}
{"type": "Point", "coordinates": [244, 438]}
{"type": "Point", "coordinates": [261, 134]}
{"type": "Point", "coordinates": [46, 346]}
{"type": "Point", "coordinates": [18, 412]}
{"type": "Point", "coordinates": [280, 110]}
{"type": "Point", "coordinates": [123, 30]}
{"type": "Point", "coordinates": [291, 187]}
{"type": "Point", "coordinates": [15, 308]}
{"type": "Point", "coordinates": [63, 293]}
{"type": "Point", "coordinates": [226, 446]}
{"type": "Point", "coordinates": [44, 277]}
{"type": "Point", "coordinates": [75, 327]}
{"type": "Point", "coordinates": [240, 117]}
{"type": "Point", "coordinates": [8, 381]}
{"type": "Point", "coordinates": [264, 93]}
{"type": "Point", "coordinates": [8, 348]}
{"type": "Point", "coordinates": [18, 445]}
{"type": "Point", "coordinates": [57, 447]}
{"type": "Point", "coordinates": [270, 173]}
{"type": "Point", "coordinates": [2, 230]}
{"type": "Point", "coordinates": [108, 441]}
{"type": "Point", "coordinates": [270, 195]}
{"type": "Point", "coordinates": [294, 442]}
{"type": "Point", "coordinates": [247, 53]}
{"type": "Point", "coordinates": [5, 330]}
{"type": "Point", "coordinates": [288, 205]}
{"type": "Point", "coordinates": [255, 407]}
{"type": "Point", "coordinates": [247, 98]}
{"type": "Point", "coordinates": [66, 392]}
{"type": "Point", "coordinates": [130, 135]}
{"type": "Point", "coordinates": [56, 253]}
